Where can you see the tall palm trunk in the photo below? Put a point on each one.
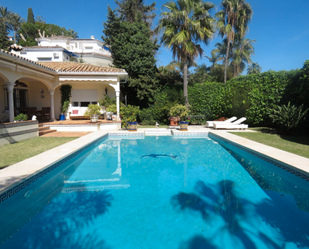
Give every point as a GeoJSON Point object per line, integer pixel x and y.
{"type": "Point", "coordinates": [185, 84]}
{"type": "Point", "coordinates": [226, 58]}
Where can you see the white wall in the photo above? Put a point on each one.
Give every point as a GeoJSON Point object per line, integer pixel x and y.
{"type": "Point", "coordinates": [99, 87]}
{"type": "Point", "coordinates": [34, 55]}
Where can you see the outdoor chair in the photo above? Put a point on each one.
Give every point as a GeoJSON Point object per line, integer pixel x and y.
{"type": "Point", "coordinates": [235, 125]}
{"type": "Point", "coordinates": [211, 123]}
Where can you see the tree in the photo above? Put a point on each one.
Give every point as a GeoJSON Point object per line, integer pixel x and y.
{"type": "Point", "coordinates": [30, 17]}
{"type": "Point", "coordinates": [213, 59]}
{"type": "Point", "coordinates": [242, 51]}
{"type": "Point", "coordinates": [4, 42]}
{"type": "Point", "coordinates": [233, 18]}
{"type": "Point", "coordinates": [185, 24]}
{"type": "Point", "coordinates": [254, 67]}
{"type": "Point", "coordinates": [15, 24]}
{"type": "Point", "coordinates": [4, 15]}
{"type": "Point", "coordinates": [133, 50]}
{"type": "Point", "coordinates": [129, 10]}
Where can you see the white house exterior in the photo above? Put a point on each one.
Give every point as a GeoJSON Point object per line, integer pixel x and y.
{"type": "Point", "coordinates": [90, 50]}
{"type": "Point", "coordinates": [45, 53]}
{"type": "Point", "coordinates": [27, 83]}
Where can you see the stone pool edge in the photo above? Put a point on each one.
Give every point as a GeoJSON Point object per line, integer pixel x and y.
{"type": "Point", "coordinates": [290, 162]}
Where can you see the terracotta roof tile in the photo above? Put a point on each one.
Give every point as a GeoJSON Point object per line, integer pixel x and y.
{"type": "Point", "coordinates": [80, 67]}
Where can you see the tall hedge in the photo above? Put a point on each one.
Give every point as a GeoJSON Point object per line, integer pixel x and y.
{"type": "Point", "coordinates": [255, 96]}
{"type": "Point", "coordinates": [208, 99]}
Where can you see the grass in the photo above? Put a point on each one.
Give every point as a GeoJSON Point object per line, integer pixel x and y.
{"type": "Point", "coordinates": [14, 153]}
{"type": "Point", "coordinates": [298, 145]}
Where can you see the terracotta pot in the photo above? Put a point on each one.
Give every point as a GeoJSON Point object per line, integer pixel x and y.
{"type": "Point", "coordinates": [173, 122]}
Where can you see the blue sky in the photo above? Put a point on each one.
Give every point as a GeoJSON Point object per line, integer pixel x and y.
{"type": "Point", "coordinates": [280, 27]}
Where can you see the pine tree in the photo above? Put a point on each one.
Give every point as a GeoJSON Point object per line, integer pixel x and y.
{"type": "Point", "coordinates": [30, 18]}
{"type": "Point", "coordinates": [133, 50]}
{"type": "Point", "coordinates": [4, 42]}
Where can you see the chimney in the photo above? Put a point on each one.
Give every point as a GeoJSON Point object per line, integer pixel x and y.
{"type": "Point", "coordinates": [92, 37]}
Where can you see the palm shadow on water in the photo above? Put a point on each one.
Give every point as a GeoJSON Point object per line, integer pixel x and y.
{"type": "Point", "coordinates": [222, 200]}
{"type": "Point", "coordinates": [63, 222]}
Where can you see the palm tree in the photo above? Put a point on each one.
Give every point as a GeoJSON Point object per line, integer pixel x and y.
{"type": "Point", "coordinates": [4, 15]}
{"type": "Point", "coordinates": [213, 59]}
{"type": "Point", "coordinates": [254, 68]}
{"type": "Point", "coordinates": [233, 18]}
{"type": "Point", "coordinates": [15, 22]}
{"type": "Point", "coordinates": [242, 51]}
{"type": "Point", "coordinates": [184, 24]}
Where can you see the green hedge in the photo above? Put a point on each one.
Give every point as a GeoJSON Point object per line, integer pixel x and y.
{"type": "Point", "coordinates": [253, 96]}
{"type": "Point", "coordinates": [208, 99]}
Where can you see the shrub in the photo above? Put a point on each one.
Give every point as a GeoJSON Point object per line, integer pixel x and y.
{"type": "Point", "coordinates": [92, 110]}
{"type": "Point", "coordinates": [112, 108]}
{"type": "Point", "coordinates": [21, 117]}
{"type": "Point", "coordinates": [129, 114]}
{"type": "Point", "coordinates": [178, 111]}
{"type": "Point", "coordinates": [288, 116]}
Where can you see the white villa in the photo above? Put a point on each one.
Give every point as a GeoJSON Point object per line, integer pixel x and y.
{"type": "Point", "coordinates": [35, 81]}
{"type": "Point", "coordinates": [63, 48]}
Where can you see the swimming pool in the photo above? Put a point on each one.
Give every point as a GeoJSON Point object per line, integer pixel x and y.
{"type": "Point", "coordinates": [159, 192]}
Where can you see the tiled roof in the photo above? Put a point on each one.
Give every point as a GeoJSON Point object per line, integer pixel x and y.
{"type": "Point", "coordinates": [24, 59]}
{"type": "Point", "coordinates": [76, 67]}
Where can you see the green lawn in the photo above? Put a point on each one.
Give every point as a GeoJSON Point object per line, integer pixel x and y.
{"type": "Point", "coordinates": [295, 144]}
{"type": "Point", "coordinates": [14, 153]}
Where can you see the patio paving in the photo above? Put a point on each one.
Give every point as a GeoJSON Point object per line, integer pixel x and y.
{"type": "Point", "coordinates": [67, 134]}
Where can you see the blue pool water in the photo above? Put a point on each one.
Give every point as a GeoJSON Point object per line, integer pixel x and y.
{"type": "Point", "coordinates": [160, 192]}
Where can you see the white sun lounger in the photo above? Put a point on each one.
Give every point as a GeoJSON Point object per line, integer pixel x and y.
{"type": "Point", "coordinates": [235, 125]}
{"type": "Point", "coordinates": [211, 123]}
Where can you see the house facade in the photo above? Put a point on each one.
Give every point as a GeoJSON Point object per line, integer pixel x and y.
{"type": "Point", "coordinates": [90, 50]}
{"type": "Point", "coordinates": [29, 83]}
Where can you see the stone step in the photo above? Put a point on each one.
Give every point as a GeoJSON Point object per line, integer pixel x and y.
{"type": "Point", "coordinates": [41, 133]}
{"type": "Point", "coordinates": [43, 128]}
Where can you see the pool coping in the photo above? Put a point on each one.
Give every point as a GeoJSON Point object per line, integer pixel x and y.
{"type": "Point", "coordinates": [290, 162]}
{"type": "Point", "coordinates": [22, 174]}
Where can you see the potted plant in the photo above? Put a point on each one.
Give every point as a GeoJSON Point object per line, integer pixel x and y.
{"type": "Point", "coordinates": [21, 117]}
{"type": "Point", "coordinates": [129, 114]}
{"type": "Point", "coordinates": [106, 102]}
{"type": "Point", "coordinates": [93, 111]}
{"type": "Point", "coordinates": [64, 109]}
{"type": "Point", "coordinates": [178, 113]}
{"type": "Point", "coordinates": [113, 110]}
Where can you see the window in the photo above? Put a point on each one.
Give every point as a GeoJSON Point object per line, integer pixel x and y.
{"type": "Point", "coordinates": [88, 47]}
{"type": "Point", "coordinates": [84, 104]}
{"type": "Point", "coordinates": [44, 58]}
{"type": "Point", "coordinates": [75, 104]}
{"type": "Point", "coordinates": [20, 98]}
{"type": "Point", "coordinates": [94, 103]}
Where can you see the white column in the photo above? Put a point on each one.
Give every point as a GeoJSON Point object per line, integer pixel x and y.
{"type": "Point", "coordinates": [117, 102]}
{"type": "Point", "coordinates": [10, 88]}
{"type": "Point", "coordinates": [52, 108]}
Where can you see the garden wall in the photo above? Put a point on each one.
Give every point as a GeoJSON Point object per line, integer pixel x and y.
{"type": "Point", "coordinates": [14, 132]}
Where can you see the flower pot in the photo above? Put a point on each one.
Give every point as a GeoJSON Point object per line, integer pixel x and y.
{"type": "Point", "coordinates": [94, 118]}
{"type": "Point", "coordinates": [183, 125]}
{"type": "Point", "coordinates": [62, 117]}
{"type": "Point", "coordinates": [114, 117]}
{"type": "Point", "coordinates": [174, 121]}
{"type": "Point", "coordinates": [132, 126]}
